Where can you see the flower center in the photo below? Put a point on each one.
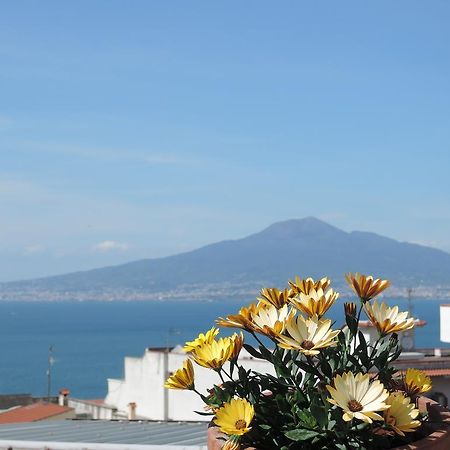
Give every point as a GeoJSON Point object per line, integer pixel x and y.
{"type": "Point", "coordinates": [390, 420]}
{"type": "Point", "coordinates": [307, 345]}
{"type": "Point", "coordinates": [240, 424]}
{"type": "Point", "coordinates": [412, 389]}
{"type": "Point", "coordinates": [354, 406]}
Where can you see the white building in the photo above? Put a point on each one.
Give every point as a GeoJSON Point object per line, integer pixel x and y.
{"type": "Point", "coordinates": [445, 322]}
{"type": "Point", "coordinates": [141, 393]}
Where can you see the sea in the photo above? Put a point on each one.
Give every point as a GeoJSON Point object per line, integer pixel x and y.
{"type": "Point", "coordinates": [82, 344]}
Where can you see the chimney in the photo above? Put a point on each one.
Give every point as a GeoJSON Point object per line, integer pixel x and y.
{"type": "Point", "coordinates": [63, 398]}
{"type": "Point", "coordinates": [132, 411]}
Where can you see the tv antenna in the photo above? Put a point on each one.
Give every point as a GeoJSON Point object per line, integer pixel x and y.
{"type": "Point", "coordinates": [51, 361]}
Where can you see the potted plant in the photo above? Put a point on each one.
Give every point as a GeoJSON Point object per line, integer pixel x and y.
{"type": "Point", "coordinates": [330, 389]}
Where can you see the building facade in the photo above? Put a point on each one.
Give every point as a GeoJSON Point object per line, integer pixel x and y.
{"type": "Point", "coordinates": [142, 388]}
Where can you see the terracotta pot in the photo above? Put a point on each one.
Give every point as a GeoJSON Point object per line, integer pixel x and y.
{"type": "Point", "coordinates": [216, 439]}
{"type": "Point", "coordinates": [438, 439]}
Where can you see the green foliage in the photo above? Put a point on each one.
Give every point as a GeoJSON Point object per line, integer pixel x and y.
{"type": "Point", "coordinates": [292, 407]}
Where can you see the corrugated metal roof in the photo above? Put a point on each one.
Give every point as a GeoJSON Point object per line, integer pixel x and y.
{"type": "Point", "coordinates": [164, 434]}
{"type": "Point", "coordinates": [433, 372]}
{"type": "Point", "coordinates": [425, 363]}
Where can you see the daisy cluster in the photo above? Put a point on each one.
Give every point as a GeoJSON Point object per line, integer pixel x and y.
{"type": "Point", "coordinates": [332, 389]}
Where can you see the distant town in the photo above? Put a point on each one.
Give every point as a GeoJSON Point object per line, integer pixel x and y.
{"type": "Point", "coordinates": [204, 292]}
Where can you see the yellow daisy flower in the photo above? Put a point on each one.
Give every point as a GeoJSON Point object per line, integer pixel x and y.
{"type": "Point", "coordinates": [402, 414]}
{"type": "Point", "coordinates": [273, 296]}
{"type": "Point", "coordinates": [269, 320]}
{"type": "Point", "coordinates": [308, 335]}
{"type": "Point", "coordinates": [416, 382]}
{"type": "Point", "coordinates": [234, 418]}
{"type": "Point", "coordinates": [240, 320]}
{"type": "Point", "coordinates": [358, 397]}
{"type": "Point", "coordinates": [238, 342]}
{"type": "Point", "coordinates": [350, 309]}
{"type": "Point", "coordinates": [232, 444]}
{"type": "Point", "coordinates": [315, 302]}
{"type": "Point", "coordinates": [183, 378]}
{"type": "Point", "coordinates": [387, 319]}
{"type": "Point", "coordinates": [365, 287]}
{"type": "Point", "coordinates": [201, 339]}
{"type": "Point", "coordinates": [215, 354]}
{"type": "Point", "coordinates": [304, 286]}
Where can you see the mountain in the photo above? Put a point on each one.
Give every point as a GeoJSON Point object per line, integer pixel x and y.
{"type": "Point", "coordinates": [305, 247]}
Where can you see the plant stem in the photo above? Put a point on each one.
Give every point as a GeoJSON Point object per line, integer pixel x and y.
{"type": "Point", "coordinates": [197, 392]}
{"type": "Point", "coordinates": [227, 374]}
{"type": "Point", "coordinates": [259, 341]}
{"type": "Point", "coordinates": [219, 371]}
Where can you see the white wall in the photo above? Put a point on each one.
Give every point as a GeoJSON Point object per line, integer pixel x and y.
{"type": "Point", "coordinates": [145, 377]}
{"type": "Point", "coordinates": [144, 385]}
{"type": "Point", "coordinates": [445, 323]}
{"type": "Point", "coordinates": [96, 411]}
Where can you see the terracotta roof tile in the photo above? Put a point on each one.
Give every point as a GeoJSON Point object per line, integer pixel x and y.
{"type": "Point", "coordinates": [32, 413]}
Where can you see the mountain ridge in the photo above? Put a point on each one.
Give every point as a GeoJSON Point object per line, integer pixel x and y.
{"type": "Point", "coordinates": [305, 247]}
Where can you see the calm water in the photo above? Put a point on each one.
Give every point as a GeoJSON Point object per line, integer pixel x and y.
{"type": "Point", "coordinates": [90, 340]}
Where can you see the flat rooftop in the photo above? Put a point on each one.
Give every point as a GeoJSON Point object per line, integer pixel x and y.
{"type": "Point", "coordinates": [102, 434]}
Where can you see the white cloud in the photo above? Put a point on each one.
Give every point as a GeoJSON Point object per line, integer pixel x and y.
{"type": "Point", "coordinates": [162, 159]}
{"type": "Point", "coordinates": [104, 154]}
{"type": "Point", "coordinates": [108, 246]}
{"type": "Point", "coordinates": [33, 249]}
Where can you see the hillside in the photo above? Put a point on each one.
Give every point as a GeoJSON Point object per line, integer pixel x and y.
{"type": "Point", "coordinates": [305, 247]}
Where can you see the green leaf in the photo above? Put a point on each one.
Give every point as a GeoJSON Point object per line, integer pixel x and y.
{"type": "Point", "coordinates": [301, 434]}
{"type": "Point", "coordinates": [283, 371]}
{"type": "Point", "coordinates": [333, 361]}
{"type": "Point", "coordinates": [307, 419]}
{"type": "Point", "coordinates": [319, 411]}
{"type": "Point", "coordinates": [362, 350]}
{"type": "Point", "coordinates": [243, 374]}
{"type": "Point", "coordinates": [326, 368]}
{"type": "Point", "coordinates": [202, 413]}
{"type": "Point", "coordinates": [305, 366]}
{"type": "Point", "coordinates": [341, 446]}
{"type": "Point", "coordinates": [353, 360]}
{"type": "Point", "coordinates": [267, 355]}
{"type": "Point", "coordinates": [253, 351]}
{"type": "Point", "coordinates": [342, 338]}
{"type": "Point", "coordinates": [298, 397]}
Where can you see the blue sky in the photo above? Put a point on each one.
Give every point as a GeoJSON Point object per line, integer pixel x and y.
{"type": "Point", "coordinates": [146, 128]}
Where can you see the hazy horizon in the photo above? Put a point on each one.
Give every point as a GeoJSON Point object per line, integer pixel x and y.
{"type": "Point", "coordinates": [144, 130]}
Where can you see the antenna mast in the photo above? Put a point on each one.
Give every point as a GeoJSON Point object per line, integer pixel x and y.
{"type": "Point", "coordinates": [51, 360]}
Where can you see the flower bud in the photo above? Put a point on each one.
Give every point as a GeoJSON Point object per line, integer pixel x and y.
{"type": "Point", "coordinates": [350, 309]}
